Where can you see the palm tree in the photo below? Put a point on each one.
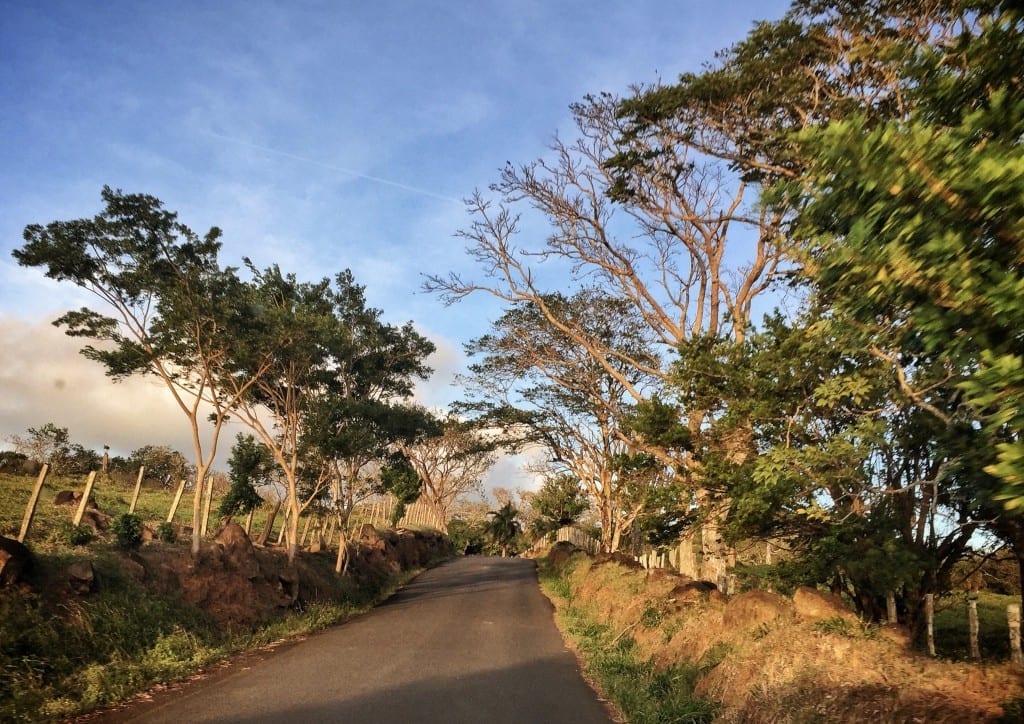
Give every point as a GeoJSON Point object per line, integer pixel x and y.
{"type": "Point", "coordinates": [503, 527]}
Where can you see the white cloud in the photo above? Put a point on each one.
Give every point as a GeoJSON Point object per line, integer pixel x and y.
{"type": "Point", "coordinates": [45, 379]}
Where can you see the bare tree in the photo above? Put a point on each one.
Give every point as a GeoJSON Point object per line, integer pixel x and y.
{"type": "Point", "coordinates": [452, 465]}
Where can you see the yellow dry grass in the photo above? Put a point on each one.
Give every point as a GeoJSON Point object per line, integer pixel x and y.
{"type": "Point", "coordinates": [788, 670]}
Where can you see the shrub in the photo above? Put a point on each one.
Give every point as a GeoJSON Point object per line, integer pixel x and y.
{"type": "Point", "coordinates": [128, 529]}
{"type": "Point", "coordinates": [73, 535]}
{"type": "Point", "coordinates": [166, 533]}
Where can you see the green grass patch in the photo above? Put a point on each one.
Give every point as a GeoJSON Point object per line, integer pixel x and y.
{"type": "Point", "coordinates": [952, 629]}
{"type": "Point", "coordinates": [644, 693]}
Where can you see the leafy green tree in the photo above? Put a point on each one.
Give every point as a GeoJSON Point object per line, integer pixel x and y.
{"type": "Point", "coordinates": [559, 502]}
{"type": "Point", "coordinates": [48, 444]}
{"type": "Point", "coordinates": [503, 527]}
{"type": "Point", "coordinates": [162, 463]}
{"type": "Point", "coordinates": [164, 300]}
{"type": "Point", "coordinates": [309, 351]}
{"type": "Point", "coordinates": [917, 222]}
{"type": "Point", "coordinates": [249, 467]}
{"type": "Point", "coordinates": [399, 478]}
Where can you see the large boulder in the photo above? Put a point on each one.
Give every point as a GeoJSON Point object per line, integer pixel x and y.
{"type": "Point", "coordinates": [690, 590]}
{"type": "Point", "coordinates": [238, 551]}
{"type": "Point", "coordinates": [814, 605]}
{"type": "Point", "coordinates": [15, 561]}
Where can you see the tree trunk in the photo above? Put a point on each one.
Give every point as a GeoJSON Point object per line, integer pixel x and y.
{"type": "Point", "coordinates": [197, 510]}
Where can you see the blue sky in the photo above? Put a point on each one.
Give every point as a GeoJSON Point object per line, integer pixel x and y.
{"type": "Point", "coordinates": [317, 135]}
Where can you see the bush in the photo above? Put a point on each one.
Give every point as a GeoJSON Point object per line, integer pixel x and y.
{"type": "Point", "coordinates": [166, 533]}
{"type": "Point", "coordinates": [73, 535]}
{"type": "Point", "coordinates": [128, 529]}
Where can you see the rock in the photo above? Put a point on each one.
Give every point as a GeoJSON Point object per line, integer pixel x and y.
{"type": "Point", "coordinates": [238, 551]}
{"type": "Point", "coordinates": [15, 561]}
{"type": "Point", "coordinates": [96, 520]}
{"type": "Point", "coordinates": [755, 608]}
{"type": "Point", "coordinates": [371, 537]}
{"type": "Point", "coordinates": [135, 566]}
{"type": "Point", "coordinates": [690, 590]}
{"type": "Point", "coordinates": [73, 498]}
{"type": "Point", "coordinates": [67, 497]}
{"type": "Point", "coordinates": [288, 587]}
{"type": "Point", "coordinates": [814, 605]}
{"type": "Point", "coordinates": [82, 577]}
{"type": "Point", "coordinates": [622, 559]}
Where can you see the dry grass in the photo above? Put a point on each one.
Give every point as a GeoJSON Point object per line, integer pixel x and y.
{"type": "Point", "coordinates": [787, 670]}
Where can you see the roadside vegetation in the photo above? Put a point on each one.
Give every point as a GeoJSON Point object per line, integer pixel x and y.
{"type": "Point", "coordinates": [663, 650]}
{"type": "Point", "coordinates": [64, 653]}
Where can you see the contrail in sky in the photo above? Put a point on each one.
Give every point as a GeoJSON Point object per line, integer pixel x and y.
{"type": "Point", "coordinates": [339, 169]}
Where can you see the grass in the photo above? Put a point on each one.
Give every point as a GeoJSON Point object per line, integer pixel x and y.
{"type": "Point", "coordinates": [63, 655]}
{"type": "Point", "coordinates": [952, 639]}
{"type": "Point", "coordinates": [643, 692]}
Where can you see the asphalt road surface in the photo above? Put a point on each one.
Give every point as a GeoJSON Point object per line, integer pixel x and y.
{"type": "Point", "coordinates": [472, 640]}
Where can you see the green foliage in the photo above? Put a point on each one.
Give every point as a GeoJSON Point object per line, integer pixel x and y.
{"type": "Point", "coordinates": [249, 467]}
{"type": "Point", "coordinates": [917, 222]}
{"type": "Point", "coordinates": [643, 691]}
{"type": "Point", "coordinates": [466, 536]}
{"type": "Point", "coordinates": [166, 532]}
{"type": "Point", "coordinates": [400, 479]}
{"type": "Point", "coordinates": [952, 633]}
{"type": "Point", "coordinates": [73, 535]}
{"type": "Point", "coordinates": [503, 527]}
{"type": "Point", "coordinates": [127, 529]}
{"type": "Point", "coordinates": [559, 502]}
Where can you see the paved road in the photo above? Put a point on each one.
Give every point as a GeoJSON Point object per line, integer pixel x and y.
{"type": "Point", "coordinates": [469, 641]}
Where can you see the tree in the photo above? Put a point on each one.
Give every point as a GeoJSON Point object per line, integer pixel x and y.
{"type": "Point", "coordinates": [503, 528]}
{"type": "Point", "coordinates": [679, 238]}
{"type": "Point", "coordinates": [250, 466]}
{"type": "Point", "coordinates": [451, 464]}
{"type": "Point", "coordinates": [46, 444]}
{"type": "Point", "coordinates": [314, 353]}
{"type": "Point", "coordinates": [539, 383]}
{"type": "Point", "coordinates": [164, 300]}
{"type": "Point", "coordinates": [916, 222]}
{"type": "Point", "coordinates": [161, 463]}
{"type": "Point", "coordinates": [559, 502]}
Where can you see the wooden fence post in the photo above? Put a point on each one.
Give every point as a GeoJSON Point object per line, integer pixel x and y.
{"type": "Point", "coordinates": [138, 487]}
{"type": "Point", "coordinates": [90, 481]}
{"type": "Point", "coordinates": [269, 526]}
{"type": "Point", "coordinates": [929, 615]}
{"type": "Point", "coordinates": [1013, 619]}
{"type": "Point", "coordinates": [890, 607]}
{"type": "Point", "coordinates": [972, 620]}
{"type": "Point", "coordinates": [33, 501]}
{"type": "Point", "coordinates": [177, 500]}
{"type": "Point", "coordinates": [207, 504]}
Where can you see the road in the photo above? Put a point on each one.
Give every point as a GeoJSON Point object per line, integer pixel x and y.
{"type": "Point", "coordinates": [472, 640]}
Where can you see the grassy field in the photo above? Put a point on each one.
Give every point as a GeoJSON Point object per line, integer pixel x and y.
{"type": "Point", "coordinates": [952, 631]}
{"type": "Point", "coordinates": [112, 497]}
